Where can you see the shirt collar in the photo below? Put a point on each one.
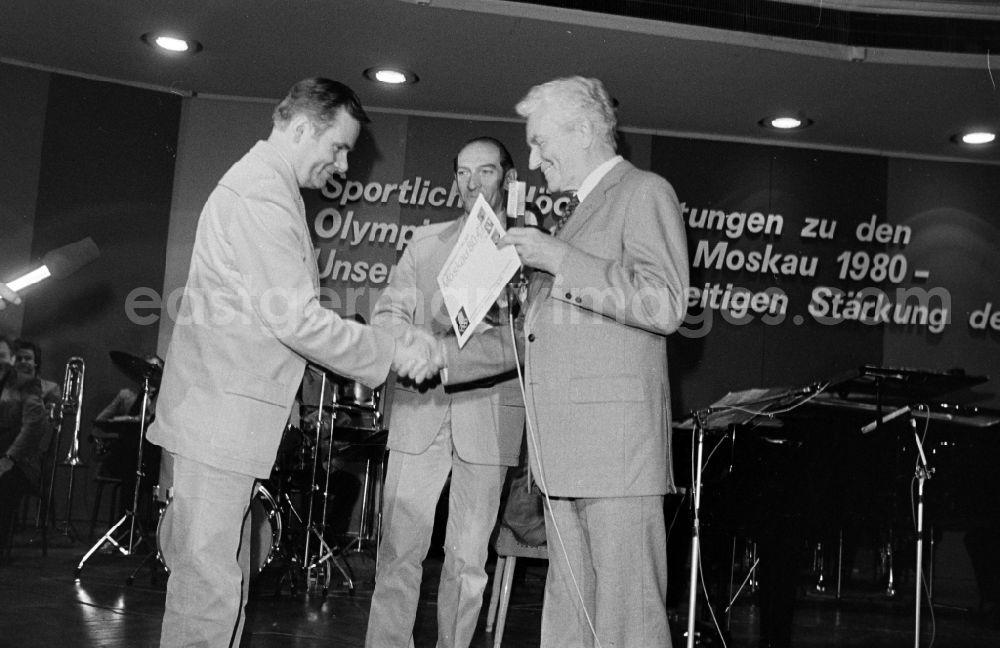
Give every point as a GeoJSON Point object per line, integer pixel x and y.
{"type": "Point", "coordinates": [596, 176]}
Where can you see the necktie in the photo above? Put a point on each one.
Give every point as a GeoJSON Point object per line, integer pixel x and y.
{"type": "Point", "coordinates": [571, 206]}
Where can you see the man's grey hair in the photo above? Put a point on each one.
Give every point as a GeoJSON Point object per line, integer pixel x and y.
{"type": "Point", "coordinates": [576, 98]}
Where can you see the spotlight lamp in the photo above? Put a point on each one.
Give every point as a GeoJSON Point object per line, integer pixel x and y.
{"type": "Point", "coordinates": [391, 75]}
{"type": "Point", "coordinates": [975, 138]}
{"type": "Point", "coordinates": [170, 43]}
{"type": "Point", "coordinates": [785, 122]}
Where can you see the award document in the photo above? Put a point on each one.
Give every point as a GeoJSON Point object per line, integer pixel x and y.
{"type": "Point", "coordinates": [476, 271]}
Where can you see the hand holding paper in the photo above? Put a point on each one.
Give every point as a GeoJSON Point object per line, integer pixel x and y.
{"type": "Point", "coordinates": [536, 249]}
{"type": "Point", "coordinates": [476, 271]}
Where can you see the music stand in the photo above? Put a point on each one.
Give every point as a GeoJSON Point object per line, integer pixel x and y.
{"type": "Point", "coordinates": [735, 408]}
{"type": "Point", "coordinates": [148, 373]}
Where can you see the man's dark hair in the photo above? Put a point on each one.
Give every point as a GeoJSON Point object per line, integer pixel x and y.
{"type": "Point", "coordinates": [321, 99]}
{"type": "Point", "coordinates": [20, 344]}
{"type": "Point", "coordinates": [506, 161]}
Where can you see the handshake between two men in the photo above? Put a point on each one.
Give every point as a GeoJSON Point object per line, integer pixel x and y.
{"type": "Point", "coordinates": [419, 355]}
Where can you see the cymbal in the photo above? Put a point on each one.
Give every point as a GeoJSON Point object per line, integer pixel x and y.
{"type": "Point", "coordinates": [136, 368]}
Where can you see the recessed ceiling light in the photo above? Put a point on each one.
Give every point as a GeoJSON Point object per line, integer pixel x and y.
{"type": "Point", "coordinates": [785, 122]}
{"type": "Point", "coordinates": [391, 75]}
{"type": "Point", "coordinates": [171, 44]}
{"type": "Point", "coordinates": [977, 137]}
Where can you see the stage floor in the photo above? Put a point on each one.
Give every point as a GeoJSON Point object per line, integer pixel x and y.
{"type": "Point", "coordinates": [42, 605]}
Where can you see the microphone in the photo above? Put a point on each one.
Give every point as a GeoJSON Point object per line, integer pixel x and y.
{"type": "Point", "coordinates": [885, 419]}
{"type": "Point", "coordinates": [509, 299]}
{"type": "Point", "coordinates": [59, 263]}
{"type": "Point", "coordinates": [516, 191]}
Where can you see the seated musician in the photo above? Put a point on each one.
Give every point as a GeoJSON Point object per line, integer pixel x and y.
{"type": "Point", "coordinates": [28, 358]}
{"type": "Point", "coordinates": [24, 434]}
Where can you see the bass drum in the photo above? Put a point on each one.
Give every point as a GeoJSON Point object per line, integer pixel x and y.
{"type": "Point", "coordinates": [265, 530]}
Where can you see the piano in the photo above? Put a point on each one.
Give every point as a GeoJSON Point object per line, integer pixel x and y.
{"type": "Point", "coordinates": [790, 472]}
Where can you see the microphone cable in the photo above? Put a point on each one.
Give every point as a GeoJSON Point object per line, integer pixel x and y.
{"type": "Point", "coordinates": [533, 439]}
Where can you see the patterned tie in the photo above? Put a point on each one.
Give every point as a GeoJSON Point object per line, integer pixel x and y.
{"type": "Point", "coordinates": [567, 212]}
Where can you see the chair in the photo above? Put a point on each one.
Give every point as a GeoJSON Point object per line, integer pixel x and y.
{"type": "Point", "coordinates": [508, 550]}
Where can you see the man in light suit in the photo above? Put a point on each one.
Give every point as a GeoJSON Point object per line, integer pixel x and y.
{"type": "Point", "coordinates": [249, 322]}
{"type": "Point", "coordinates": [609, 286]}
{"type": "Point", "coordinates": [471, 431]}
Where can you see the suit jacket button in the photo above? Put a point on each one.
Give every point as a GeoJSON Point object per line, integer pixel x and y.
{"type": "Point", "coordinates": [579, 300]}
{"type": "Point", "coordinates": [531, 337]}
{"type": "Point", "coordinates": [569, 295]}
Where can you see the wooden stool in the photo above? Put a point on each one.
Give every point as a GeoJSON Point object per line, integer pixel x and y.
{"type": "Point", "coordinates": [508, 551]}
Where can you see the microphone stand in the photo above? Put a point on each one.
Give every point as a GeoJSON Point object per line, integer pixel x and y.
{"type": "Point", "coordinates": [699, 422]}
{"type": "Point", "coordinates": [748, 412]}
{"type": "Point", "coordinates": [923, 473]}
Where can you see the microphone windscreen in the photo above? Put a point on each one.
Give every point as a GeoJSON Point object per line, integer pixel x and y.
{"type": "Point", "coordinates": [66, 260]}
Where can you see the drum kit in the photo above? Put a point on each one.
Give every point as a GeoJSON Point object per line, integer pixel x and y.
{"type": "Point", "coordinates": [337, 421]}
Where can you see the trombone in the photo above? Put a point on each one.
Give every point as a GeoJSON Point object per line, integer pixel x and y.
{"type": "Point", "coordinates": [71, 405]}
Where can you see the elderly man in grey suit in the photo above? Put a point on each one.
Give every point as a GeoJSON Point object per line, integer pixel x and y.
{"type": "Point", "coordinates": [609, 286]}
{"type": "Point", "coordinates": [471, 431]}
{"type": "Point", "coordinates": [249, 322]}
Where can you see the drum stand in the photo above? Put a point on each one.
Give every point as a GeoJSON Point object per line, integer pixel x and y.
{"type": "Point", "coordinates": [316, 564]}
{"type": "Point", "coordinates": [317, 568]}
{"type": "Point", "coordinates": [371, 506]}
{"type": "Point", "coordinates": [370, 528]}
{"type": "Point", "coordinates": [126, 527]}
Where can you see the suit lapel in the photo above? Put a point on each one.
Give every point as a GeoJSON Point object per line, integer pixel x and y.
{"type": "Point", "coordinates": [594, 200]}
{"type": "Point", "coordinates": [541, 282]}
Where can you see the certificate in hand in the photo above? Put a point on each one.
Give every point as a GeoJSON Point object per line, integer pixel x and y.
{"type": "Point", "coordinates": [476, 271]}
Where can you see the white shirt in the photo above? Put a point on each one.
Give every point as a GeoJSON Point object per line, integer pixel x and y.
{"type": "Point", "coordinates": [595, 176]}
